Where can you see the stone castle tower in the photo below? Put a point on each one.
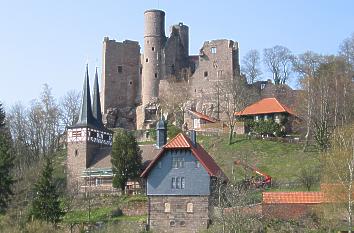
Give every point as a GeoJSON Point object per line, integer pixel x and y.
{"type": "Point", "coordinates": [132, 82]}
{"type": "Point", "coordinates": [154, 39]}
{"type": "Point", "coordinates": [87, 137]}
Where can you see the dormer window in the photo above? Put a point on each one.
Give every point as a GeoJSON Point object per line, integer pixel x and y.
{"type": "Point", "coordinates": [177, 162]}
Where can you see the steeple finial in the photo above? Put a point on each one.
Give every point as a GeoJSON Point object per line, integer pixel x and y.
{"type": "Point", "coordinates": [96, 107]}
{"type": "Point", "coordinates": [86, 118]}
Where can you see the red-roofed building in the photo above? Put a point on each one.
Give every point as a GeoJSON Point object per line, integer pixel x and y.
{"type": "Point", "coordinates": [290, 205]}
{"type": "Point", "coordinates": [269, 109]}
{"type": "Point", "coordinates": [197, 120]}
{"type": "Point", "coordinates": [179, 183]}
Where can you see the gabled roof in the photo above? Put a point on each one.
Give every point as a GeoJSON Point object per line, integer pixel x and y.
{"type": "Point", "coordinates": [265, 106]}
{"type": "Point", "coordinates": [181, 141]}
{"type": "Point", "coordinates": [202, 116]}
{"type": "Point", "coordinates": [293, 197]}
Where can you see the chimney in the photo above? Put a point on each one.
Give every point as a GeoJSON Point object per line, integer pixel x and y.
{"type": "Point", "coordinates": [161, 133]}
{"type": "Point", "coordinates": [193, 136]}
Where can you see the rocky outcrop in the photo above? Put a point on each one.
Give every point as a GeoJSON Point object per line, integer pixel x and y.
{"type": "Point", "coordinates": [120, 118]}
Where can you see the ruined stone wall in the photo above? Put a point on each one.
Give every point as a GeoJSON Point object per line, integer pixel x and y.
{"type": "Point", "coordinates": [176, 217]}
{"type": "Point", "coordinates": [217, 61]}
{"type": "Point", "coordinates": [120, 73]}
{"type": "Point", "coordinates": [175, 53]}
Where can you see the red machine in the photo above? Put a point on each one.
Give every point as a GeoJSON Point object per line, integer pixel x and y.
{"type": "Point", "coordinates": [265, 181]}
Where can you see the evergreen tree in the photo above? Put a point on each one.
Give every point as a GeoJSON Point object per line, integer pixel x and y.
{"type": "Point", "coordinates": [6, 164]}
{"type": "Point", "coordinates": [46, 203]}
{"type": "Point", "coordinates": [126, 159]}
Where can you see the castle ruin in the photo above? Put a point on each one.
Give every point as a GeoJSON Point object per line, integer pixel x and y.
{"type": "Point", "coordinates": [132, 82]}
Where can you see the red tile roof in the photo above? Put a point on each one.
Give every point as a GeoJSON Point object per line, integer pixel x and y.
{"type": "Point", "coordinates": [265, 106]}
{"type": "Point", "coordinates": [181, 141]}
{"type": "Point", "coordinates": [202, 116]}
{"type": "Point", "coordinates": [293, 197]}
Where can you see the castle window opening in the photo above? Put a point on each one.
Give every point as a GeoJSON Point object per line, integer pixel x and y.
{"type": "Point", "coordinates": [172, 223]}
{"type": "Point", "coordinates": [183, 223]}
{"type": "Point", "coordinates": [155, 75]}
{"type": "Point", "coordinates": [147, 59]}
{"type": "Point", "coordinates": [205, 73]}
{"type": "Point", "coordinates": [213, 50]}
{"type": "Point", "coordinates": [76, 152]}
{"type": "Point", "coordinates": [130, 82]}
{"type": "Point", "coordinates": [153, 48]}
{"type": "Point", "coordinates": [120, 69]}
{"type": "Point", "coordinates": [141, 70]}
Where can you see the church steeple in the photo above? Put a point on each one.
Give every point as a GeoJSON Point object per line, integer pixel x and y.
{"type": "Point", "coordinates": [86, 117]}
{"type": "Point", "coordinates": [96, 106]}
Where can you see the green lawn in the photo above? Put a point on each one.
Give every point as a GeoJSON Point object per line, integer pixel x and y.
{"type": "Point", "coordinates": [280, 160]}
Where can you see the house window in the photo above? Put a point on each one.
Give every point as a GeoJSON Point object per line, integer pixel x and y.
{"type": "Point", "coordinates": [189, 207]}
{"type": "Point", "coordinates": [167, 207]}
{"type": "Point", "coordinates": [159, 165]}
{"type": "Point", "coordinates": [99, 181]}
{"type": "Point", "coordinates": [177, 162]}
{"type": "Point", "coordinates": [93, 134]}
{"type": "Point", "coordinates": [205, 74]}
{"type": "Point", "coordinates": [120, 69]}
{"type": "Point", "coordinates": [173, 183]}
{"type": "Point", "coordinates": [105, 137]}
{"type": "Point", "coordinates": [178, 183]}
{"type": "Point", "coordinates": [213, 50]}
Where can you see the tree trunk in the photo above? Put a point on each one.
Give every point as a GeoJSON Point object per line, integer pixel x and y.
{"type": "Point", "coordinates": [231, 134]}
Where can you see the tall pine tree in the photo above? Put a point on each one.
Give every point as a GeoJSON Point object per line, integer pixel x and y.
{"type": "Point", "coordinates": [126, 159]}
{"type": "Point", "coordinates": [6, 163]}
{"type": "Point", "coordinates": [46, 204]}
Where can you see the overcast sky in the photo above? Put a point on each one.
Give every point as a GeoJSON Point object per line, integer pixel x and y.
{"type": "Point", "coordinates": [50, 41]}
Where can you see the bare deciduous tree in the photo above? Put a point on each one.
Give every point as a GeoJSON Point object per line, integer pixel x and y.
{"type": "Point", "coordinates": [306, 65]}
{"type": "Point", "coordinates": [278, 60]}
{"type": "Point", "coordinates": [251, 66]}
{"type": "Point", "coordinates": [70, 108]}
{"type": "Point", "coordinates": [338, 173]}
{"type": "Point", "coordinates": [347, 50]}
{"type": "Point", "coordinates": [172, 99]}
{"type": "Point", "coordinates": [233, 98]}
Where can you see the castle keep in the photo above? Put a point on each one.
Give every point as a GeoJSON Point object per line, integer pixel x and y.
{"type": "Point", "coordinates": [132, 82]}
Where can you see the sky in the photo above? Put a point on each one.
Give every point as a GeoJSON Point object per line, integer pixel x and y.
{"type": "Point", "coordinates": [47, 41]}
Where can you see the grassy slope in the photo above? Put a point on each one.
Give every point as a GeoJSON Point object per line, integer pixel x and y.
{"type": "Point", "coordinates": [282, 161]}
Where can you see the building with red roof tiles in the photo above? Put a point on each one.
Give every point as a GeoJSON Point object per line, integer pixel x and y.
{"type": "Point", "coordinates": [269, 109]}
{"type": "Point", "coordinates": [179, 183]}
{"type": "Point", "coordinates": [290, 205]}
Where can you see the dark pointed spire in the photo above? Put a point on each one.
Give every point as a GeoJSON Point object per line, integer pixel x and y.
{"type": "Point", "coordinates": [96, 106]}
{"type": "Point", "coordinates": [86, 118]}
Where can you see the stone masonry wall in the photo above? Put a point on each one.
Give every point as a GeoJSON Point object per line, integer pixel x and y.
{"type": "Point", "coordinates": [78, 155]}
{"type": "Point", "coordinates": [178, 219]}
{"type": "Point", "coordinates": [120, 73]}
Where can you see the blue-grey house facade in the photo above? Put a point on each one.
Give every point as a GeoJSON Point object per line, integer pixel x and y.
{"type": "Point", "coordinates": [178, 172]}
{"type": "Point", "coordinates": [178, 186]}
